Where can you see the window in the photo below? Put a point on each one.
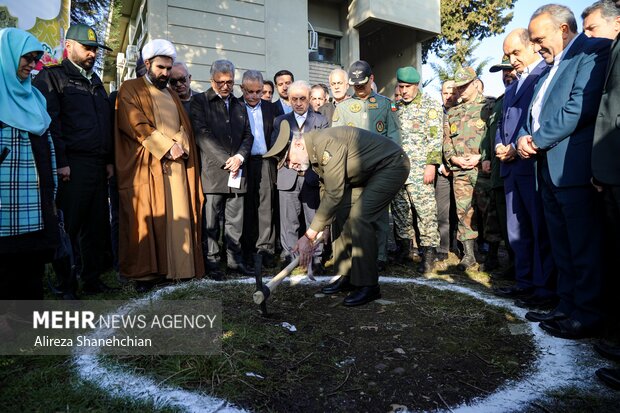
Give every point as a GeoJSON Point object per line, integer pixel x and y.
{"type": "Point", "coordinates": [329, 50]}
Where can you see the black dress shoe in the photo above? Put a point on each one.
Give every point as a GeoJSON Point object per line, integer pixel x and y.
{"type": "Point", "coordinates": [144, 286]}
{"type": "Point", "coordinates": [318, 268]}
{"type": "Point", "coordinates": [538, 317]}
{"type": "Point", "coordinates": [97, 287]}
{"type": "Point", "coordinates": [512, 292]}
{"type": "Point", "coordinates": [69, 296]}
{"type": "Point", "coordinates": [341, 284]}
{"type": "Point", "coordinates": [267, 261]}
{"type": "Point", "coordinates": [608, 351]}
{"type": "Point", "coordinates": [216, 274]}
{"type": "Point", "coordinates": [240, 268]}
{"type": "Point", "coordinates": [285, 262]}
{"type": "Point", "coordinates": [611, 377]}
{"type": "Point", "coordinates": [569, 329]}
{"type": "Point", "coordinates": [362, 295]}
{"type": "Point", "coordinates": [536, 301]}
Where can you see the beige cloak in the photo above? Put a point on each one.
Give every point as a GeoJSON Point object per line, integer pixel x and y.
{"type": "Point", "coordinates": [140, 149]}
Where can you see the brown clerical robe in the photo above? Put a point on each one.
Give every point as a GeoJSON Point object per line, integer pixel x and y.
{"type": "Point", "coordinates": [149, 185]}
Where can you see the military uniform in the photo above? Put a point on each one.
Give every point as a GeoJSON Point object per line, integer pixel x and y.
{"type": "Point", "coordinates": [421, 134]}
{"type": "Point", "coordinates": [375, 114]}
{"type": "Point", "coordinates": [467, 123]}
{"type": "Point", "coordinates": [360, 172]}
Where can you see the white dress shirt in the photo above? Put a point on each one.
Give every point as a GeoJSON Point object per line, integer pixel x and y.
{"type": "Point", "coordinates": [540, 96]}
{"type": "Point", "coordinates": [525, 74]}
{"type": "Point", "coordinates": [301, 119]}
{"type": "Point", "coordinates": [287, 108]}
{"type": "Point", "coordinates": [255, 115]}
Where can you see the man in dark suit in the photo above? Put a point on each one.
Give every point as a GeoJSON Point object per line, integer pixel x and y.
{"type": "Point", "coordinates": [298, 193]}
{"type": "Point", "coordinates": [527, 233]}
{"type": "Point", "coordinates": [559, 131]}
{"type": "Point", "coordinates": [602, 19]}
{"type": "Point", "coordinates": [283, 79]}
{"type": "Point", "coordinates": [258, 226]}
{"type": "Point", "coordinates": [223, 135]}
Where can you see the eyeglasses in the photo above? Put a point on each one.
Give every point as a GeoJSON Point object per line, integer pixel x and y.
{"type": "Point", "coordinates": [253, 92]}
{"type": "Point", "coordinates": [174, 81]}
{"type": "Point", "coordinates": [31, 58]}
{"type": "Point", "coordinates": [221, 83]}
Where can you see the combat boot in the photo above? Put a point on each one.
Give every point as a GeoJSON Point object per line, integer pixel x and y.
{"type": "Point", "coordinates": [404, 250]}
{"type": "Point", "coordinates": [491, 262]}
{"type": "Point", "coordinates": [427, 263]}
{"type": "Point", "coordinates": [469, 259]}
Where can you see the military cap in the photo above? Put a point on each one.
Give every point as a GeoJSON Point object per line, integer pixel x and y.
{"type": "Point", "coordinates": [279, 150]}
{"type": "Point", "coordinates": [359, 73]}
{"type": "Point", "coordinates": [85, 35]}
{"type": "Point", "coordinates": [408, 74]}
{"type": "Point", "coordinates": [505, 65]}
{"type": "Point", "coordinates": [464, 75]}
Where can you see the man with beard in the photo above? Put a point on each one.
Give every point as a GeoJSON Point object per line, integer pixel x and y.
{"type": "Point", "coordinates": [78, 105]}
{"type": "Point", "coordinates": [158, 176]}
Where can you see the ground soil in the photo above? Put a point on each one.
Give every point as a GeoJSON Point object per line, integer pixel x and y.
{"type": "Point", "coordinates": [418, 347]}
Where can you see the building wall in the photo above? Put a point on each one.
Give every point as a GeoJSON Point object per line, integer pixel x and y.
{"type": "Point", "coordinates": [263, 35]}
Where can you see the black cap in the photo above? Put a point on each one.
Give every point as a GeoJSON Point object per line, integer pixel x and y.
{"type": "Point", "coordinates": [359, 73]}
{"type": "Point", "coordinates": [85, 35]}
{"type": "Point", "coordinates": [505, 65]}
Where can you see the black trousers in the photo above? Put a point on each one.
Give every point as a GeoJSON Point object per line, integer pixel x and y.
{"type": "Point", "coordinates": [610, 198]}
{"type": "Point", "coordinates": [259, 232]}
{"type": "Point", "coordinates": [84, 201]}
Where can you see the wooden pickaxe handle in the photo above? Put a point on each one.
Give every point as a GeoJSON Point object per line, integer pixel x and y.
{"type": "Point", "coordinates": [260, 296]}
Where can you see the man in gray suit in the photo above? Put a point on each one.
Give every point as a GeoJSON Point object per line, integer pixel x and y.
{"type": "Point", "coordinates": [298, 192]}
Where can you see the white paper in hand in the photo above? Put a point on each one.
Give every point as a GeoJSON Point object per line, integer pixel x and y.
{"type": "Point", "coordinates": [236, 181]}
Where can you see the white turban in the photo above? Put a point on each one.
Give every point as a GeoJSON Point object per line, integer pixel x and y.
{"type": "Point", "coordinates": [159, 47]}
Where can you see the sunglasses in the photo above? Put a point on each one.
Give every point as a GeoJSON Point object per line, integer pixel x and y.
{"type": "Point", "coordinates": [174, 81]}
{"type": "Point", "coordinates": [30, 58]}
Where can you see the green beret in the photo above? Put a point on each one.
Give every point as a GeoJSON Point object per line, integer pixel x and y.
{"type": "Point", "coordinates": [408, 74]}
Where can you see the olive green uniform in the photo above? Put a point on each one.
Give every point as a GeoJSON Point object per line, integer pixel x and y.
{"type": "Point", "coordinates": [360, 172]}
{"type": "Point", "coordinates": [376, 114]}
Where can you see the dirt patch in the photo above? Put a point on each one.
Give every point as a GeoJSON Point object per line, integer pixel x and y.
{"type": "Point", "coordinates": [418, 347]}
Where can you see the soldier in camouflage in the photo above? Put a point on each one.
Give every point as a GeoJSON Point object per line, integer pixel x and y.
{"type": "Point", "coordinates": [467, 123]}
{"type": "Point", "coordinates": [420, 119]}
{"type": "Point", "coordinates": [371, 111]}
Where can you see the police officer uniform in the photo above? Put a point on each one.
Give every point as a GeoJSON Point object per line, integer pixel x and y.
{"type": "Point", "coordinates": [81, 130]}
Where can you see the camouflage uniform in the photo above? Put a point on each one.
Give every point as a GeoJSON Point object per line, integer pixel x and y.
{"type": "Point", "coordinates": [376, 114]}
{"type": "Point", "coordinates": [420, 130]}
{"type": "Point", "coordinates": [467, 124]}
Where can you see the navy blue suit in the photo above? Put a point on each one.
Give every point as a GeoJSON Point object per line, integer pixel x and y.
{"type": "Point", "coordinates": [297, 193]}
{"type": "Point", "coordinates": [527, 232]}
{"type": "Point", "coordinates": [565, 136]}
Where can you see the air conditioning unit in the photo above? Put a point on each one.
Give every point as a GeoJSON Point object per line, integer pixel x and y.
{"type": "Point", "coordinates": [313, 39]}
{"type": "Point", "coordinates": [132, 54]}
